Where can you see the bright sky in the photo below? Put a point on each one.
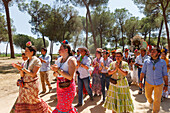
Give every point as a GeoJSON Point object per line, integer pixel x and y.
{"type": "Point", "coordinates": [23, 27]}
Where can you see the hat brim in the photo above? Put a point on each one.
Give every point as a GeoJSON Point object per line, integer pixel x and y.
{"type": "Point", "coordinates": [83, 48]}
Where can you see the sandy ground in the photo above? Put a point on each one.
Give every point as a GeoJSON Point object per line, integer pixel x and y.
{"type": "Point", "coordinates": [9, 93]}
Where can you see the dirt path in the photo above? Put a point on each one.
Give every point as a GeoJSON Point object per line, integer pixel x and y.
{"type": "Point", "coordinates": [9, 93]}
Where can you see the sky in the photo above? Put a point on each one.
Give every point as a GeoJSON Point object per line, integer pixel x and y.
{"type": "Point", "coordinates": [21, 19]}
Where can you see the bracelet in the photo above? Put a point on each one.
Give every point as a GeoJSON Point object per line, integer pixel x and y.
{"type": "Point", "coordinates": [23, 68]}
{"type": "Point", "coordinates": [165, 85]}
{"type": "Point", "coordinates": [59, 71]}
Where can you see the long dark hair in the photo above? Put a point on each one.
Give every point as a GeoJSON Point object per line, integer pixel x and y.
{"type": "Point", "coordinates": [66, 46]}
{"type": "Point", "coordinates": [32, 48]}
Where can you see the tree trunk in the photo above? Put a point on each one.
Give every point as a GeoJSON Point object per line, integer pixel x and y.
{"type": "Point", "coordinates": [63, 35]}
{"type": "Point", "coordinates": [145, 37]}
{"type": "Point", "coordinates": [116, 43]}
{"type": "Point", "coordinates": [101, 43]}
{"type": "Point", "coordinates": [166, 23]}
{"type": "Point", "coordinates": [122, 38]}
{"type": "Point", "coordinates": [159, 36]}
{"type": "Point", "coordinates": [86, 31]}
{"type": "Point", "coordinates": [149, 37]}
{"type": "Point", "coordinates": [6, 49]}
{"type": "Point", "coordinates": [90, 20]}
{"type": "Point", "coordinates": [9, 28]}
{"type": "Point", "coordinates": [43, 40]}
{"type": "Point", "coordinates": [75, 43]}
{"type": "Point", "coordinates": [51, 50]}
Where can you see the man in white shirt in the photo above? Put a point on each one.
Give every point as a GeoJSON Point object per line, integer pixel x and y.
{"type": "Point", "coordinates": [139, 63]}
{"type": "Point", "coordinates": [44, 70]}
{"type": "Point", "coordinates": [83, 65]}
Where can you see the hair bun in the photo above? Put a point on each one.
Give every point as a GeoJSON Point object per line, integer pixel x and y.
{"type": "Point", "coordinates": [65, 42]}
{"type": "Point", "coordinates": [28, 44]}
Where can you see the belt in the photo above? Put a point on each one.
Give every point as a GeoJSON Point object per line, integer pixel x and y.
{"type": "Point", "coordinates": [31, 81]}
{"type": "Point", "coordinates": [118, 79]}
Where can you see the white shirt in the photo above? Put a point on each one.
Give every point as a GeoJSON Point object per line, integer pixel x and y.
{"type": "Point", "coordinates": [140, 60]}
{"type": "Point", "coordinates": [84, 73]}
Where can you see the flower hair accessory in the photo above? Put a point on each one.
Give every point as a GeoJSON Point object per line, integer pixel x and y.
{"type": "Point", "coordinates": [163, 50]}
{"type": "Point", "coordinates": [28, 44]}
{"type": "Point", "coordinates": [65, 42]}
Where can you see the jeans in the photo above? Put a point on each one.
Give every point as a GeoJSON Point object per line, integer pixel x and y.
{"type": "Point", "coordinates": [105, 81]}
{"type": "Point", "coordinates": [139, 71]}
{"type": "Point", "coordinates": [86, 82]}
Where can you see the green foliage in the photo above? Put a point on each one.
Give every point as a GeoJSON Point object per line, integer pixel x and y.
{"type": "Point", "coordinates": [62, 24]}
{"type": "Point", "coordinates": [20, 40]}
{"type": "Point", "coordinates": [39, 14]}
{"type": "Point", "coordinates": [3, 28]}
{"type": "Point", "coordinates": [131, 28]}
{"type": "Point", "coordinates": [121, 15]}
{"type": "Point", "coordinates": [91, 3]}
{"type": "Point", "coordinates": [38, 43]}
{"type": "Point", "coordinates": [103, 22]}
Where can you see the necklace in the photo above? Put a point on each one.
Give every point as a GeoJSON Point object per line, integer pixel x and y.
{"type": "Point", "coordinates": [64, 60]}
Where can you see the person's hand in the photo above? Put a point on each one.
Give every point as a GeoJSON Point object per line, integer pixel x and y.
{"type": "Point", "coordinates": [54, 67]}
{"type": "Point", "coordinates": [116, 65]}
{"type": "Point", "coordinates": [141, 85]}
{"type": "Point", "coordinates": [165, 89]}
{"type": "Point", "coordinates": [141, 66]}
{"type": "Point", "coordinates": [78, 63]}
{"type": "Point", "coordinates": [18, 66]}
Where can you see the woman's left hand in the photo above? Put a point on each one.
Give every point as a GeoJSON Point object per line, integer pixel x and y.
{"type": "Point", "coordinates": [18, 66]}
{"type": "Point", "coordinates": [54, 67]}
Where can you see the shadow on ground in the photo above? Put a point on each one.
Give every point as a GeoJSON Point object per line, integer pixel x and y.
{"type": "Point", "coordinates": [8, 68]}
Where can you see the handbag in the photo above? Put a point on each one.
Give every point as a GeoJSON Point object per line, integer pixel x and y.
{"type": "Point", "coordinates": [20, 83]}
{"type": "Point", "coordinates": [64, 84]}
{"type": "Point", "coordinates": [113, 81]}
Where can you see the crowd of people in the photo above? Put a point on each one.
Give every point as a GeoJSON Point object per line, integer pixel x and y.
{"type": "Point", "coordinates": [111, 77]}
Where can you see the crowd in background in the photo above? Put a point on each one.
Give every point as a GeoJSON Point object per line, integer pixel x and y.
{"type": "Point", "coordinates": [108, 74]}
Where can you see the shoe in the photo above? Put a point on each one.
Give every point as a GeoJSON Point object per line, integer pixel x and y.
{"type": "Point", "coordinates": [162, 99]}
{"type": "Point", "coordinates": [50, 89]}
{"type": "Point", "coordinates": [42, 92]}
{"type": "Point", "coordinates": [95, 95]}
{"type": "Point", "coordinates": [140, 92]}
{"type": "Point", "coordinates": [78, 105]}
{"type": "Point", "coordinates": [151, 106]}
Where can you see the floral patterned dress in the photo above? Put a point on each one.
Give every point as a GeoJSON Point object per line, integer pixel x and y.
{"type": "Point", "coordinates": [96, 82]}
{"type": "Point", "coordinates": [28, 100]}
{"type": "Point", "coordinates": [118, 96]}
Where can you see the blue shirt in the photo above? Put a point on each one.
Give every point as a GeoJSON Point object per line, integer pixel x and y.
{"type": "Point", "coordinates": [45, 66]}
{"type": "Point", "coordinates": [154, 77]}
{"type": "Point", "coordinates": [84, 73]}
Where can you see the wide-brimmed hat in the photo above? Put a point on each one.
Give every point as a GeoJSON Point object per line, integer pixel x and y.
{"type": "Point", "coordinates": [143, 48]}
{"type": "Point", "coordinates": [83, 48]}
{"type": "Point", "coordinates": [99, 50]}
{"type": "Point", "coordinates": [119, 51]}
